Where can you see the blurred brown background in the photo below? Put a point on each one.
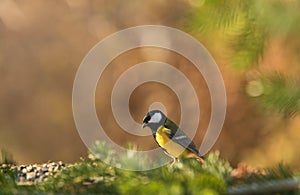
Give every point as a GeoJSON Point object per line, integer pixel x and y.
{"type": "Point", "coordinates": [42, 43]}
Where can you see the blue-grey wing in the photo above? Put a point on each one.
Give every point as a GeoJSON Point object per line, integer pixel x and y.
{"type": "Point", "coordinates": [179, 137]}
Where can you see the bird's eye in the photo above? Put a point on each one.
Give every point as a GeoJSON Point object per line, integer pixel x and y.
{"type": "Point", "coordinates": [147, 119]}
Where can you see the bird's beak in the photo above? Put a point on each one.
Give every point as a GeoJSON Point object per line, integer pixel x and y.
{"type": "Point", "coordinates": [144, 125]}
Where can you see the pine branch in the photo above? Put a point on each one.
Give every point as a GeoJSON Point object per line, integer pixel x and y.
{"type": "Point", "coordinates": [245, 34]}
{"type": "Point", "coordinates": [246, 26]}
{"type": "Point", "coordinates": [276, 93]}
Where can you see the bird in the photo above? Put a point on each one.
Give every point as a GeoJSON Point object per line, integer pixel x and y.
{"type": "Point", "coordinates": [174, 142]}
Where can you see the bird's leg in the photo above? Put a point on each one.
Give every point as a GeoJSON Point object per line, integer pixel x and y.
{"type": "Point", "coordinates": [174, 161]}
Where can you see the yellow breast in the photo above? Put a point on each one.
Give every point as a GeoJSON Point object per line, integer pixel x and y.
{"type": "Point", "coordinates": [165, 142]}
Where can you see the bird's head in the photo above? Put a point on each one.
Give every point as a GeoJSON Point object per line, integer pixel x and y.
{"type": "Point", "coordinates": [154, 119]}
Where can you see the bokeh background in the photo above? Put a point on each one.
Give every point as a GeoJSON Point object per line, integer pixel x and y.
{"type": "Point", "coordinates": [256, 46]}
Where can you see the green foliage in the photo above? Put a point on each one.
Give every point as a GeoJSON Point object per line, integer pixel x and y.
{"type": "Point", "coordinates": [7, 181]}
{"type": "Point", "coordinates": [7, 175]}
{"type": "Point", "coordinates": [278, 94]}
{"type": "Point", "coordinates": [129, 159]}
{"type": "Point", "coordinates": [246, 26]}
{"type": "Point", "coordinates": [208, 16]}
{"type": "Point", "coordinates": [185, 177]}
{"type": "Point", "coordinates": [239, 24]}
{"type": "Point", "coordinates": [85, 177]}
{"type": "Point", "coordinates": [92, 176]}
{"type": "Point", "coordinates": [216, 166]}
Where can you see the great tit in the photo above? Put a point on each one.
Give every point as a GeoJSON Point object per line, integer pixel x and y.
{"type": "Point", "coordinates": [170, 137]}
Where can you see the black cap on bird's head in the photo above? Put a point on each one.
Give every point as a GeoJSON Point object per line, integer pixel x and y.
{"type": "Point", "coordinates": [154, 119]}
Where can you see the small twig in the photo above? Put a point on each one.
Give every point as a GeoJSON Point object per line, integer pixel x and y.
{"type": "Point", "coordinates": [267, 187]}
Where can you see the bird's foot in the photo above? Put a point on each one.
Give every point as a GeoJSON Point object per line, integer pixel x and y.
{"type": "Point", "coordinates": [176, 163]}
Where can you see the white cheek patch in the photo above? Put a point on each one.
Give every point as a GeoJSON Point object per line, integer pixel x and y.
{"type": "Point", "coordinates": [155, 118]}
